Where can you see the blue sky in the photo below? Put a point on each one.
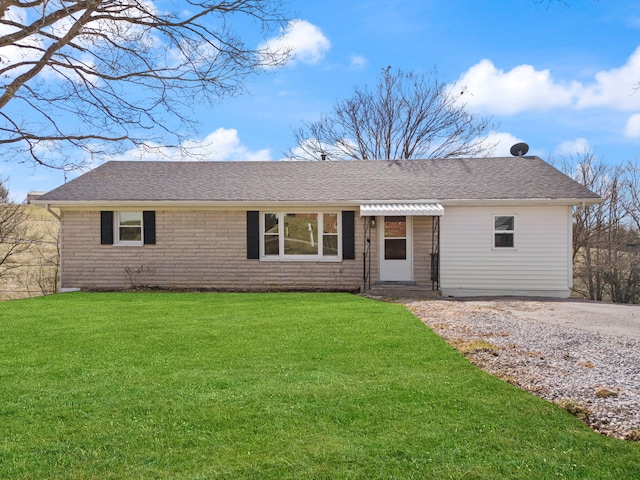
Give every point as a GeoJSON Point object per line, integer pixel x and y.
{"type": "Point", "coordinates": [557, 75]}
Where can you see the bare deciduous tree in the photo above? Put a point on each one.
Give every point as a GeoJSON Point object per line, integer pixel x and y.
{"type": "Point", "coordinates": [15, 237]}
{"type": "Point", "coordinates": [101, 76]}
{"type": "Point", "coordinates": [39, 274]}
{"type": "Point", "coordinates": [631, 202]}
{"type": "Point", "coordinates": [407, 115]}
{"type": "Point", "coordinates": [606, 236]}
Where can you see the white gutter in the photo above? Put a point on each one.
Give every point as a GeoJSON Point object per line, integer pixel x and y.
{"type": "Point", "coordinates": [257, 204]}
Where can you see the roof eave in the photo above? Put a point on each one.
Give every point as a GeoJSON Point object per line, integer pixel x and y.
{"type": "Point", "coordinates": [259, 204]}
{"type": "Point", "coordinates": [238, 204]}
{"type": "Point", "coordinates": [521, 201]}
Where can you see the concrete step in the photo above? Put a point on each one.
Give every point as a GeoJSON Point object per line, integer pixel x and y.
{"type": "Point", "coordinates": [401, 291]}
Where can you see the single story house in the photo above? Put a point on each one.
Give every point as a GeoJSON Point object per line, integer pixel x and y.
{"type": "Point", "coordinates": [464, 226]}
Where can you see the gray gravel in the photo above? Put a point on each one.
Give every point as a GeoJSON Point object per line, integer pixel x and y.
{"type": "Point", "coordinates": [548, 356]}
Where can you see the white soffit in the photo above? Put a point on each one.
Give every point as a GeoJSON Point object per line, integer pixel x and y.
{"type": "Point", "coordinates": [409, 209]}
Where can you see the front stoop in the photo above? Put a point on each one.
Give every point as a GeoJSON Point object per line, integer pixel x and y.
{"type": "Point", "coordinates": [401, 290]}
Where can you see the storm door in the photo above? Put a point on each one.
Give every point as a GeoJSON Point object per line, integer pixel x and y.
{"type": "Point", "coordinates": [396, 252]}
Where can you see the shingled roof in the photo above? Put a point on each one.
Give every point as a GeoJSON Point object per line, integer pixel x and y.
{"type": "Point", "coordinates": [442, 180]}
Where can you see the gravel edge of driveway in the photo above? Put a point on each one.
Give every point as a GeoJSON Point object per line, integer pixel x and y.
{"type": "Point", "coordinates": [593, 375]}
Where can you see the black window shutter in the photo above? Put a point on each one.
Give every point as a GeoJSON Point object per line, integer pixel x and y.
{"type": "Point", "coordinates": [106, 227]}
{"type": "Point", "coordinates": [348, 235]}
{"type": "Point", "coordinates": [149, 226]}
{"type": "Point", "coordinates": [253, 234]}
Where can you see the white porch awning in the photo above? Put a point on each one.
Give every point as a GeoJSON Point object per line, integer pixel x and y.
{"type": "Point", "coordinates": [409, 209]}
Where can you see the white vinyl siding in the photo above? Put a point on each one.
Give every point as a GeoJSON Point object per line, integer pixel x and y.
{"type": "Point", "coordinates": [539, 266]}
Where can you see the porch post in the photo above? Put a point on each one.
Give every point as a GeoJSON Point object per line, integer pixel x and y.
{"type": "Point", "coordinates": [435, 253]}
{"type": "Point", "coordinates": [366, 257]}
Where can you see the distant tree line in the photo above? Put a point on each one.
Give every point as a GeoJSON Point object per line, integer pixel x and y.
{"type": "Point", "coordinates": [606, 236]}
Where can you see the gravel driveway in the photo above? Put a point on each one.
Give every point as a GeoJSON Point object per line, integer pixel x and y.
{"type": "Point", "coordinates": [605, 318]}
{"type": "Point", "coordinates": [582, 355]}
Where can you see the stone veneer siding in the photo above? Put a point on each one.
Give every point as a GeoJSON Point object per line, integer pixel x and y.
{"type": "Point", "coordinates": [206, 249]}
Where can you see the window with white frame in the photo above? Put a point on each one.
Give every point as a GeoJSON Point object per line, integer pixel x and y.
{"type": "Point", "coordinates": [128, 228]}
{"type": "Point", "coordinates": [300, 235]}
{"type": "Point", "coordinates": [504, 231]}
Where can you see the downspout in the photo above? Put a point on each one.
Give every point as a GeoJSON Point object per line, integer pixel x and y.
{"type": "Point", "coordinates": [48, 207]}
{"type": "Point", "coordinates": [59, 218]}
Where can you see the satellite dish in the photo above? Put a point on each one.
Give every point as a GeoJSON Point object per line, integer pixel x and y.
{"type": "Point", "coordinates": [519, 149]}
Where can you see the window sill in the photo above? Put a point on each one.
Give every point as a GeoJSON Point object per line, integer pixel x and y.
{"type": "Point", "coordinates": [128, 244]}
{"type": "Point", "coordinates": [301, 259]}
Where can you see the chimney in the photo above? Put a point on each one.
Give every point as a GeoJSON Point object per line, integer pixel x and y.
{"type": "Point", "coordinates": [34, 196]}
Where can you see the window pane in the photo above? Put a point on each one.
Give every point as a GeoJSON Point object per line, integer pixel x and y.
{"type": "Point", "coordinates": [330, 222]}
{"type": "Point", "coordinates": [504, 239]}
{"type": "Point", "coordinates": [130, 226]}
{"type": "Point", "coordinates": [270, 223]}
{"type": "Point", "coordinates": [130, 233]}
{"type": "Point", "coordinates": [330, 245]}
{"type": "Point", "coordinates": [301, 234]}
{"type": "Point", "coordinates": [130, 218]}
{"type": "Point", "coordinates": [395, 249]}
{"type": "Point", "coordinates": [504, 223]}
{"type": "Point", "coordinates": [271, 245]}
{"type": "Point", "coordinates": [395, 226]}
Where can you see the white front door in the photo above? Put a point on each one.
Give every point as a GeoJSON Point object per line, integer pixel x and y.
{"type": "Point", "coordinates": [396, 252]}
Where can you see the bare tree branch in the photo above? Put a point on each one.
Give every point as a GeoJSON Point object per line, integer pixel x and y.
{"type": "Point", "coordinates": [631, 202]}
{"type": "Point", "coordinates": [407, 115]}
{"type": "Point", "coordinates": [107, 75]}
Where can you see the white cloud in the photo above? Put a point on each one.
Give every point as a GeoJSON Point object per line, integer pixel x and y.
{"type": "Point", "coordinates": [305, 40]}
{"type": "Point", "coordinates": [632, 128]}
{"type": "Point", "coordinates": [12, 54]}
{"type": "Point", "coordinates": [488, 89]}
{"type": "Point", "coordinates": [357, 62]}
{"type": "Point", "coordinates": [615, 88]}
{"type": "Point", "coordinates": [502, 142]}
{"type": "Point", "coordinates": [495, 91]}
{"type": "Point", "coordinates": [222, 144]}
{"type": "Point", "coordinates": [573, 147]}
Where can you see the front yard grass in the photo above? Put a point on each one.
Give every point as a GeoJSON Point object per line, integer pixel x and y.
{"type": "Point", "coordinates": [201, 385]}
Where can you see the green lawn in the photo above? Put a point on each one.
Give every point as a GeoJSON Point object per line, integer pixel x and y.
{"type": "Point", "coordinates": [199, 385]}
